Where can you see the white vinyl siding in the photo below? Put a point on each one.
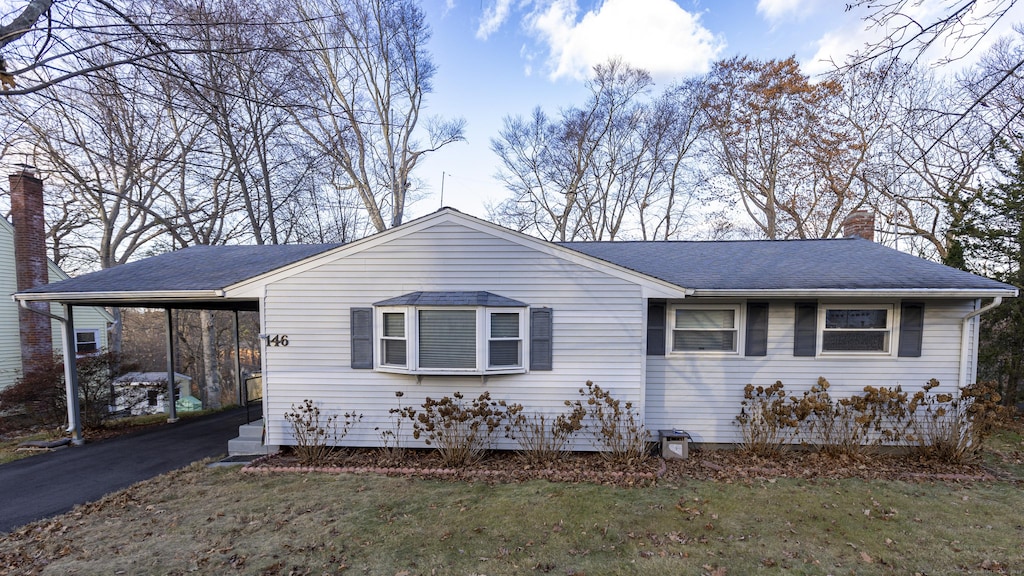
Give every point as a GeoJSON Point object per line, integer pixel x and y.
{"type": "Point", "coordinates": [597, 323]}
{"type": "Point", "coordinates": [702, 394]}
{"type": "Point", "coordinates": [10, 335]}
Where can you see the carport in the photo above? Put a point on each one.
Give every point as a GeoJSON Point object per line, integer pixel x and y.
{"type": "Point", "coordinates": [195, 278]}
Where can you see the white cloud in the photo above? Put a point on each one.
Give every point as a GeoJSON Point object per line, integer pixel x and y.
{"type": "Point", "coordinates": [775, 10]}
{"type": "Point", "coordinates": [656, 35]}
{"type": "Point", "coordinates": [494, 16]}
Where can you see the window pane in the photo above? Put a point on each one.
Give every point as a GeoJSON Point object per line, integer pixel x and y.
{"type": "Point", "coordinates": [504, 325]}
{"type": "Point", "coordinates": [394, 324]}
{"type": "Point", "coordinates": [85, 342]}
{"type": "Point", "coordinates": [855, 341]}
{"type": "Point", "coordinates": [504, 353]}
{"type": "Point", "coordinates": [704, 319]}
{"type": "Point", "coordinates": [447, 338]}
{"type": "Point", "coordinates": [394, 352]}
{"type": "Point", "coordinates": [714, 340]}
{"type": "Point", "coordinates": [877, 318]}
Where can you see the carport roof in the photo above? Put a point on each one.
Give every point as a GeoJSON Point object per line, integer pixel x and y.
{"type": "Point", "coordinates": [193, 277]}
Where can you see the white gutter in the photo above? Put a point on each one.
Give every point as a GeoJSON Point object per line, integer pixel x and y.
{"type": "Point", "coordinates": [965, 324]}
{"type": "Point", "coordinates": [856, 293]}
{"type": "Point", "coordinates": [109, 296]}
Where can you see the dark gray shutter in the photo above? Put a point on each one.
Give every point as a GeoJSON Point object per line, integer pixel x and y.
{"type": "Point", "coordinates": [362, 337]}
{"type": "Point", "coordinates": [757, 329]}
{"type": "Point", "coordinates": [805, 333]}
{"type": "Point", "coordinates": [656, 329]}
{"type": "Point", "coordinates": [540, 339]}
{"type": "Point", "coordinates": [911, 329]}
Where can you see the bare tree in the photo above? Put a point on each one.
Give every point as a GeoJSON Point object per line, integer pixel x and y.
{"type": "Point", "coordinates": [609, 168]}
{"type": "Point", "coordinates": [367, 72]}
{"type": "Point", "coordinates": [782, 151]}
{"type": "Point", "coordinates": [956, 26]}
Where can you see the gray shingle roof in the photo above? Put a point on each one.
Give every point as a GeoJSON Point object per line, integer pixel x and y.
{"type": "Point", "coordinates": [847, 263]}
{"type": "Point", "coordinates": [451, 299]}
{"type": "Point", "coordinates": [195, 268]}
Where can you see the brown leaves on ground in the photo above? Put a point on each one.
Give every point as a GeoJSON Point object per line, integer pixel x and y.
{"type": "Point", "coordinates": [718, 465]}
{"type": "Point", "coordinates": [735, 466]}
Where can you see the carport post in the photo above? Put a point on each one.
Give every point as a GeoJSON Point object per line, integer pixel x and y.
{"type": "Point", "coordinates": [238, 366]}
{"type": "Point", "coordinates": [67, 329]}
{"type": "Point", "coordinates": [172, 413]}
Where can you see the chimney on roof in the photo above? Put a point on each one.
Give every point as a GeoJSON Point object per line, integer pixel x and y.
{"type": "Point", "coordinates": [30, 265]}
{"type": "Point", "coordinates": [860, 223]}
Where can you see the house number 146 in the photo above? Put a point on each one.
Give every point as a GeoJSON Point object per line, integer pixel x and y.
{"type": "Point", "coordinates": [277, 340]}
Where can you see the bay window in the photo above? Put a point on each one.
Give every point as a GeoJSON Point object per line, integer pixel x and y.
{"type": "Point", "coordinates": [451, 333]}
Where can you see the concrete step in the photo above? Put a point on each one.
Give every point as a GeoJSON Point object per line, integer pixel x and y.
{"type": "Point", "coordinates": [250, 441]}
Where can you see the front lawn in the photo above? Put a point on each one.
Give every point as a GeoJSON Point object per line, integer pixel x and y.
{"type": "Point", "coordinates": [220, 520]}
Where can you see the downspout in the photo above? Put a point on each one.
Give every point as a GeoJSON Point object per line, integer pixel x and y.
{"type": "Point", "coordinates": [965, 324]}
{"type": "Point", "coordinates": [67, 330]}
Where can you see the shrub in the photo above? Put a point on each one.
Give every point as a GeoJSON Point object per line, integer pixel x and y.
{"type": "Point", "coordinates": [833, 427]}
{"type": "Point", "coordinates": [315, 433]}
{"type": "Point", "coordinates": [766, 420]}
{"type": "Point", "coordinates": [542, 438]}
{"type": "Point", "coordinates": [391, 451]}
{"type": "Point", "coordinates": [41, 394]}
{"type": "Point", "coordinates": [619, 433]}
{"type": "Point", "coordinates": [942, 426]}
{"type": "Point", "coordinates": [952, 429]}
{"type": "Point", "coordinates": [461, 431]}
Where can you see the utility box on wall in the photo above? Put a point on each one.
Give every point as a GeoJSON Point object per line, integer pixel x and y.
{"type": "Point", "coordinates": [675, 444]}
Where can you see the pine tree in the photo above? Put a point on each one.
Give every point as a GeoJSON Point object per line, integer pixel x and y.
{"type": "Point", "coordinates": [992, 237]}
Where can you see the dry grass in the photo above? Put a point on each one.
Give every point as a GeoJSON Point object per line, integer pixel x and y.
{"type": "Point", "coordinates": [216, 521]}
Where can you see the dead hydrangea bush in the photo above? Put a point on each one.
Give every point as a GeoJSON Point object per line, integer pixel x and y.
{"type": "Point", "coordinates": [766, 420]}
{"type": "Point", "coordinates": [618, 431]}
{"type": "Point", "coordinates": [461, 431]}
{"type": "Point", "coordinates": [317, 433]}
{"type": "Point", "coordinates": [953, 429]}
{"type": "Point", "coordinates": [543, 438]}
{"type": "Point", "coordinates": [941, 426]}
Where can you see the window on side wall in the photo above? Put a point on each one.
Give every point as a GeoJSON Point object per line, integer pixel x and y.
{"type": "Point", "coordinates": [87, 342]}
{"type": "Point", "coordinates": [857, 329]}
{"type": "Point", "coordinates": [705, 329]}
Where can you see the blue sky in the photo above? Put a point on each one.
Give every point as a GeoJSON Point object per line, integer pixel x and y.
{"type": "Point", "coordinates": [505, 57]}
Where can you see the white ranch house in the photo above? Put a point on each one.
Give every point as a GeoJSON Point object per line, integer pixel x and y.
{"type": "Point", "coordinates": [450, 303]}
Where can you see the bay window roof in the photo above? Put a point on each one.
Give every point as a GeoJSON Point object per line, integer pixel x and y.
{"type": "Point", "coordinates": [485, 299]}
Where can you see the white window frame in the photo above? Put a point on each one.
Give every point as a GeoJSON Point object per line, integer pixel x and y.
{"type": "Point", "coordinates": [381, 338]}
{"type": "Point", "coordinates": [738, 328]}
{"type": "Point", "coordinates": [96, 339]}
{"type": "Point", "coordinates": [890, 328]}
{"type": "Point", "coordinates": [483, 339]}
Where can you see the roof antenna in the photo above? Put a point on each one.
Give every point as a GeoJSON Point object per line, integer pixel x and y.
{"type": "Point", "coordinates": [443, 174]}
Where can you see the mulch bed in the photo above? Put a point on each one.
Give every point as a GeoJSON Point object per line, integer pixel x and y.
{"type": "Point", "coordinates": [714, 465]}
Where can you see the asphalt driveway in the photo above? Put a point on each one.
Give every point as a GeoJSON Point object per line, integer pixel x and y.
{"type": "Point", "coordinates": [53, 483]}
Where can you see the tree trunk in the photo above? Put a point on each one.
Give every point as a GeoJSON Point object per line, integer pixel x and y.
{"type": "Point", "coordinates": [210, 371]}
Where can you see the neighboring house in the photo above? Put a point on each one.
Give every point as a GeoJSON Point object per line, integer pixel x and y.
{"type": "Point", "coordinates": [90, 323]}
{"type": "Point", "coordinates": [451, 303]}
{"type": "Point", "coordinates": [139, 393]}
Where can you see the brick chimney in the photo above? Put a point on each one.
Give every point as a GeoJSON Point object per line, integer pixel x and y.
{"type": "Point", "coordinates": [860, 223]}
{"type": "Point", "coordinates": [30, 265]}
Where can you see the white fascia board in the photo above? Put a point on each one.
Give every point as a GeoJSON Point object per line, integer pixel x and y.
{"type": "Point", "coordinates": [652, 287]}
{"type": "Point", "coordinates": [856, 293]}
{"type": "Point", "coordinates": [127, 297]}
